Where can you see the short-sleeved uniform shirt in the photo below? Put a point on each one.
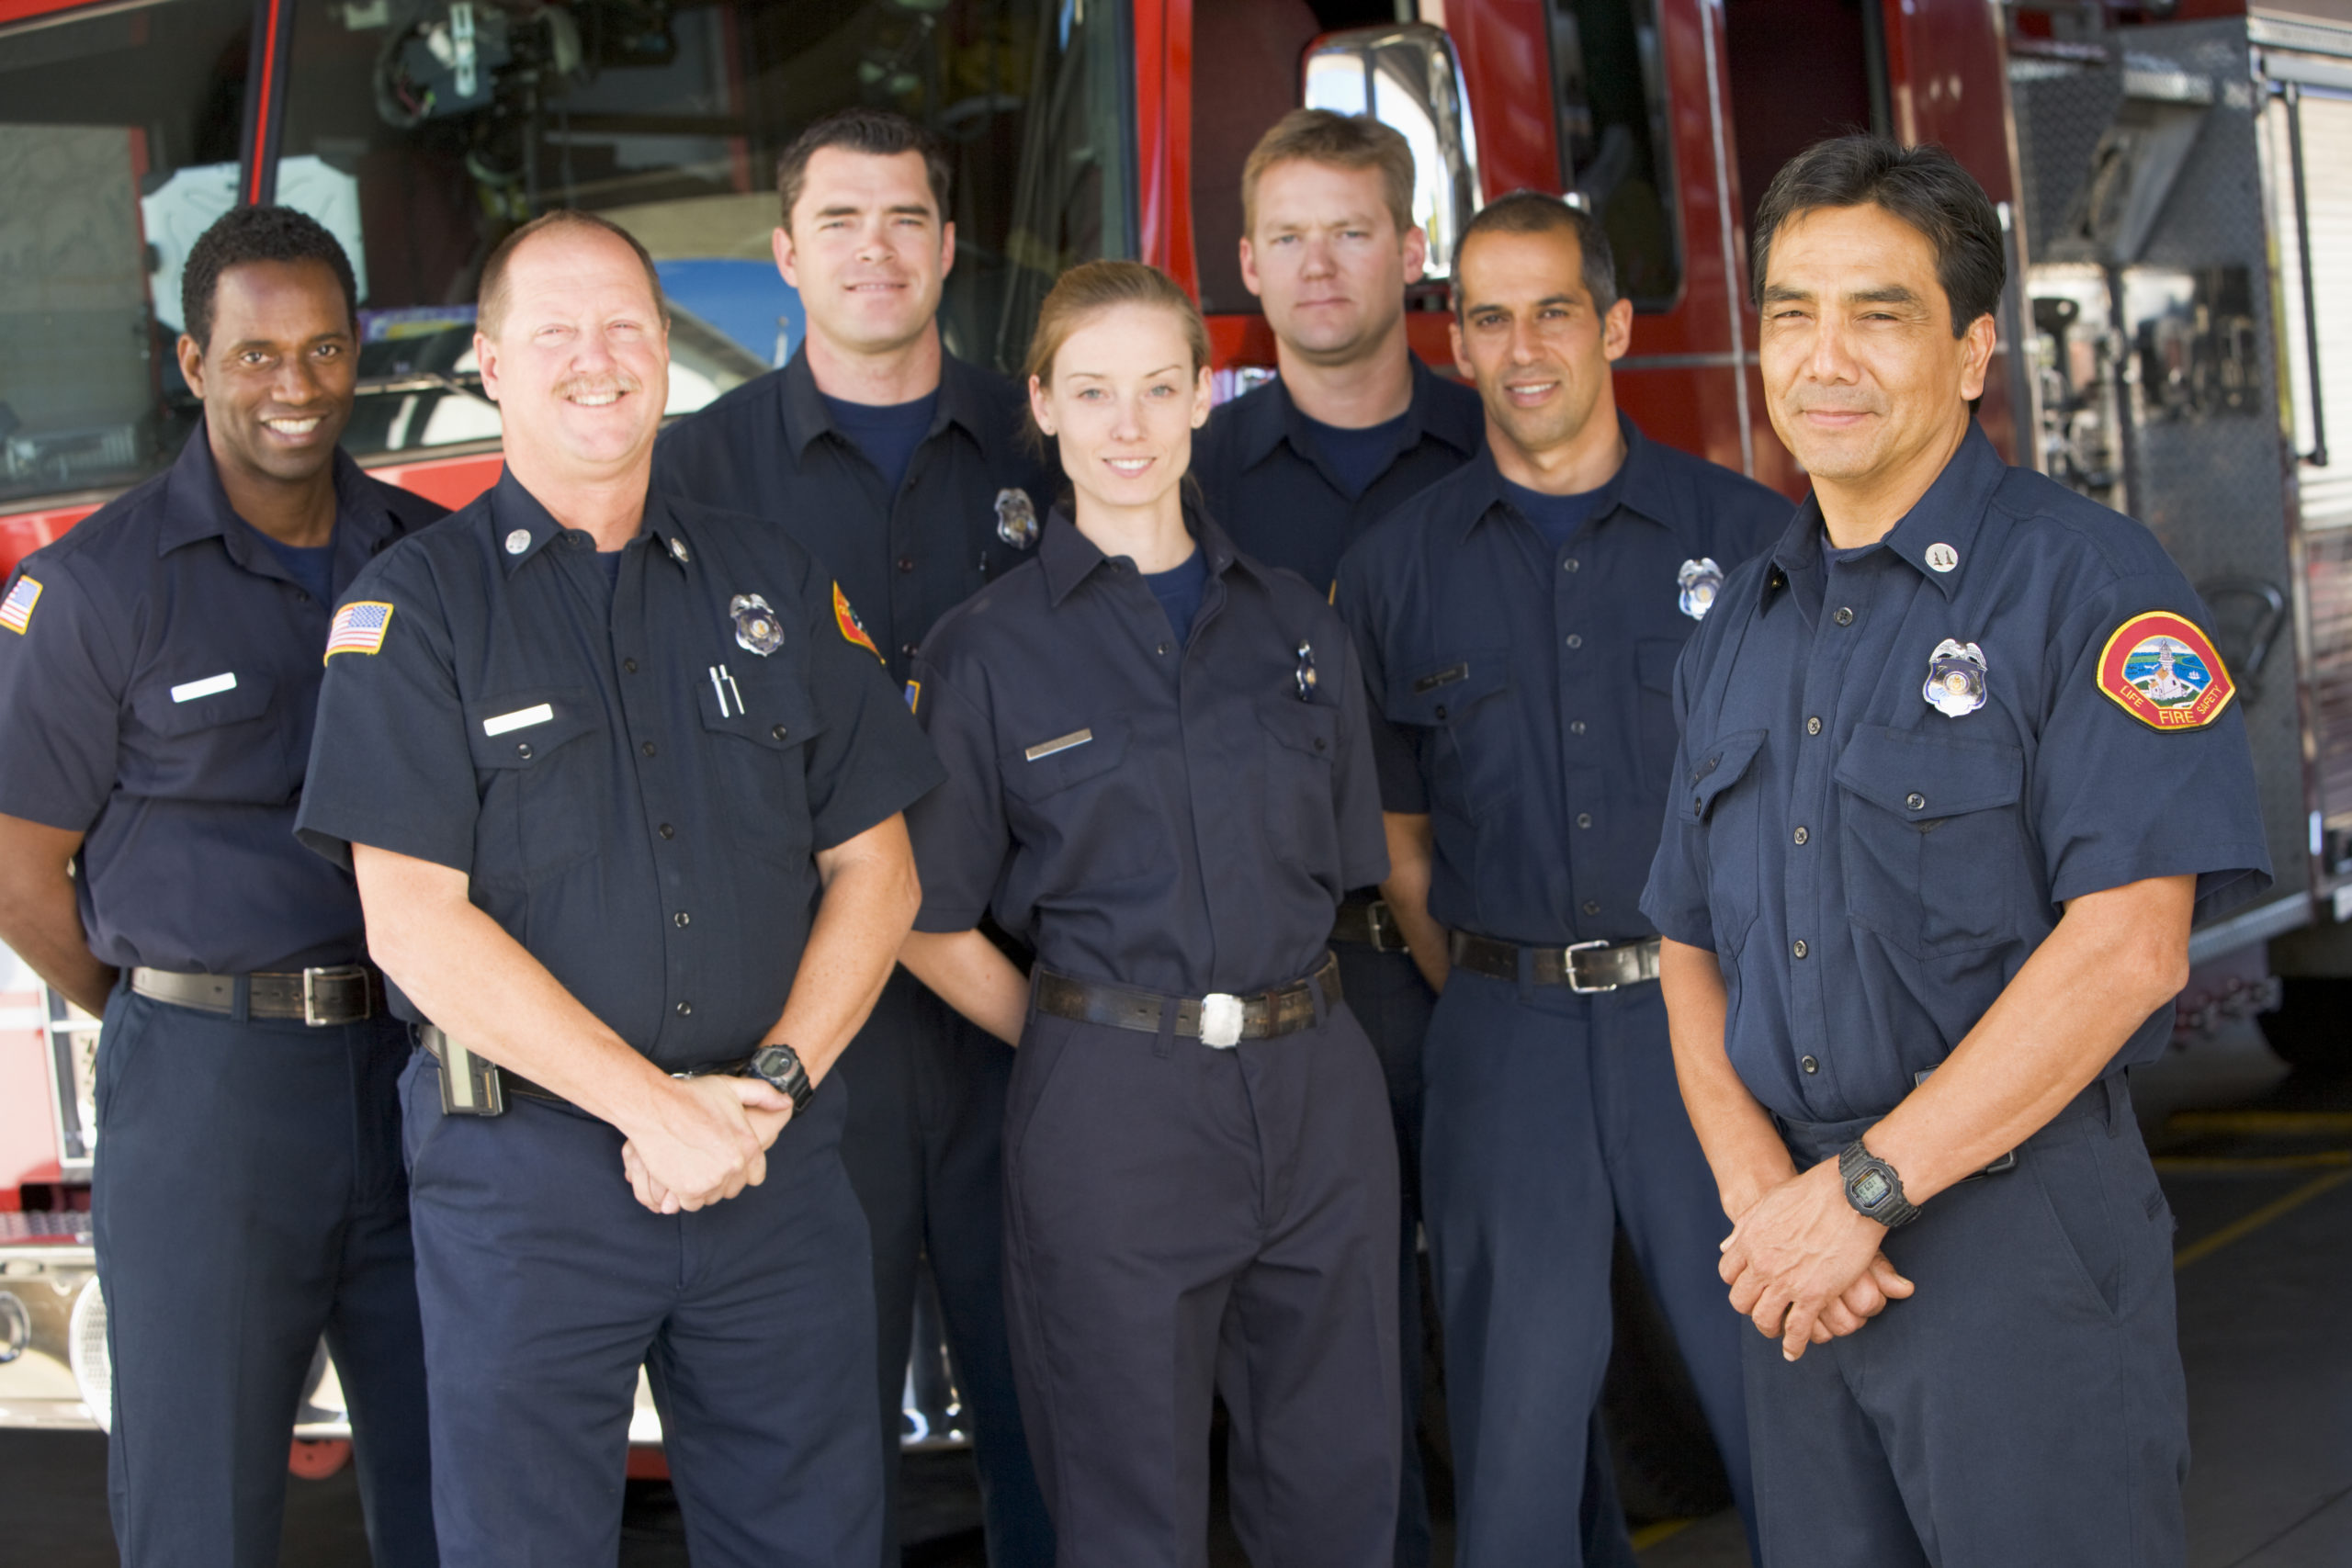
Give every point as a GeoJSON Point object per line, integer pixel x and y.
{"type": "Point", "coordinates": [1528, 687]}
{"type": "Point", "coordinates": [968, 510]}
{"type": "Point", "coordinates": [633, 769]}
{"type": "Point", "coordinates": [1872, 869]}
{"type": "Point", "coordinates": [1181, 816]}
{"type": "Point", "coordinates": [1264, 476]}
{"type": "Point", "coordinates": [159, 670]}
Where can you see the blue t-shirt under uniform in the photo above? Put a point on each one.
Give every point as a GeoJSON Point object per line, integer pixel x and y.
{"type": "Point", "coordinates": [1557, 517]}
{"type": "Point", "coordinates": [1179, 591]}
{"type": "Point", "coordinates": [886, 433]}
{"type": "Point", "coordinates": [311, 565]}
{"type": "Point", "coordinates": [1357, 457]}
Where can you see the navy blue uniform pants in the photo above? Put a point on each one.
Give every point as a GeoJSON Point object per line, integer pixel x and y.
{"type": "Point", "coordinates": [2025, 1409]}
{"type": "Point", "coordinates": [1184, 1222]}
{"type": "Point", "coordinates": [248, 1198]}
{"type": "Point", "coordinates": [1550, 1120]}
{"type": "Point", "coordinates": [1386, 993]}
{"type": "Point", "coordinates": [923, 1148]}
{"type": "Point", "coordinates": [545, 1285]}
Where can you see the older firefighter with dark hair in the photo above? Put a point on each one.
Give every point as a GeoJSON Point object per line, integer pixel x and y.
{"type": "Point", "coordinates": [1519, 622]}
{"type": "Point", "coordinates": [620, 777]}
{"type": "Point", "coordinates": [158, 670]}
{"type": "Point", "coordinates": [1925, 897]}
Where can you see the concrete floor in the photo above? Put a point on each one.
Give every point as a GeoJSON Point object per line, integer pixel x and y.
{"type": "Point", "coordinates": [2259, 1166]}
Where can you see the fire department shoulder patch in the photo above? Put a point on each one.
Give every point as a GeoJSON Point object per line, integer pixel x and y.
{"type": "Point", "coordinates": [2163, 669]}
{"type": "Point", "coordinates": [853, 629]}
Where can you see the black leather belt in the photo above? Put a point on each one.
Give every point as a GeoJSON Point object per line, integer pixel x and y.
{"type": "Point", "coordinates": [1585, 967]}
{"type": "Point", "coordinates": [1220, 1019]}
{"type": "Point", "coordinates": [477, 1085]}
{"type": "Point", "coordinates": [333, 994]}
{"type": "Point", "coordinates": [1371, 922]}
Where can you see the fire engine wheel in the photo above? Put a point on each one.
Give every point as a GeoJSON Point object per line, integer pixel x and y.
{"type": "Point", "coordinates": [2312, 1027]}
{"type": "Point", "coordinates": [315, 1460]}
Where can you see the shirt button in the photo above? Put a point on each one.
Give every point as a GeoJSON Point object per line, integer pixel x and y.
{"type": "Point", "coordinates": [1592, 906]}
{"type": "Point", "coordinates": [906, 563]}
{"type": "Point", "coordinates": [523, 750]}
{"type": "Point", "coordinates": [1797, 947]}
{"type": "Point", "coordinates": [649, 749]}
{"type": "Point", "coordinates": [629, 665]}
{"type": "Point", "coordinates": [1915, 801]}
{"type": "Point", "coordinates": [1569, 565]}
{"type": "Point", "coordinates": [1843, 617]}
{"type": "Point", "coordinates": [1575, 726]}
{"type": "Point", "coordinates": [1809, 1064]}
{"type": "Point", "coordinates": [1584, 818]}
{"type": "Point", "coordinates": [667, 831]}
{"type": "Point", "coordinates": [1321, 744]}
{"type": "Point", "coordinates": [682, 919]}
{"type": "Point", "coordinates": [1164, 647]}
{"type": "Point", "coordinates": [1803, 835]}
{"type": "Point", "coordinates": [778, 732]}
{"type": "Point", "coordinates": [1574, 641]}
{"type": "Point", "coordinates": [1813, 727]}
{"type": "Point", "coordinates": [1440, 710]}
{"type": "Point", "coordinates": [685, 1009]}
{"type": "Point", "coordinates": [908, 648]}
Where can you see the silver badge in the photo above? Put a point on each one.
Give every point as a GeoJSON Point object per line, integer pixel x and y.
{"type": "Point", "coordinates": [1016, 518]}
{"type": "Point", "coordinates": [1955, 679]}
{"type": "Point", "coordinates": [518, 541]}
{"type": "Point", "coordinates": [1943, 557]}
{"type": "Point", "coordinates": [678, 553]}
{"type": "Point", "coordinates": [1699, 581]}
{"type": "Point", "coordinates": [756, 626]}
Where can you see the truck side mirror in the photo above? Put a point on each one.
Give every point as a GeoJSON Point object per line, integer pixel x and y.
{"type": "Point", "coordinates": [1405, 76]}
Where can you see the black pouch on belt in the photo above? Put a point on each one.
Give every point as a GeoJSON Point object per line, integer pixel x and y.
{"type": "Point", "coordinates": [470, 1086]}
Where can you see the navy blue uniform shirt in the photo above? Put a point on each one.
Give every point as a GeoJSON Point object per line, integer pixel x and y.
{"type": "Point", "coordinates": [1265, 476]}
{"type": "Point", "coordinates": [1527, 688]}
{"type": "Point", "coordinates": [1871, 871]}
{"type": "Point", "coordinates": [967, 512]}
{"type": "Point", "coordinates": [1141, 812]}
{"type": "Point", "coordinates": [157, 696]}
{"type": "Point", "coordinates": [634, 788]}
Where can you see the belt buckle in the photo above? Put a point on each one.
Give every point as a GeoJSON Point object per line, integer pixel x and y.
{"type": "Point", "coordinates": [1383, 921]}
{"type": "Point", "coordinates": [1221, 1018]}
{"type": "Point", "coordinates": [1573, 983]}
{"type": "Point", "coordinates": [310, 1014]}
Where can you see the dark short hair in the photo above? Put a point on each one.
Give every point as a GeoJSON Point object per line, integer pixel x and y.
{"type": "Point", "coordinates": [1924, 186]}
{"type": "Point", "coordinates": [880, 133]}
{"type": "Point", "coordinates": [491, 298]}
{"type": "Point", "coordinates": [1538, 212]}
{"type": "Point", "coordinates": [256, 235]}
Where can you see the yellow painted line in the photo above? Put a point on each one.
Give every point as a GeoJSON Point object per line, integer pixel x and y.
{"type": "Point", "coordinates": [2273, 1123]}
{"type": "Point", "coordinates": [1650, 1535]}
{"type": "Point", "coordinates": [2237, 1230]}
{"type": "Point", "coordinates": [2191, 1164]}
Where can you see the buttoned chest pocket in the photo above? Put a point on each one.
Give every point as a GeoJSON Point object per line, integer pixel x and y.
{"type": "Point", "coordinates": [1934, 849]}
{"type": "Point", "coordinates": [1302, 816]}
{"type": "Point", "coordinates": [1722, 791]}
{"type": "Point", "coordinates": [759, 755]}
{"type": "Point", "coordinates": [1458, 708]}
{"type": "Point", "coordinates": [1076, 805]}
{"type": "Point", "coordinates": [536, 761]}
{"type": "Point", "coordinates": [198, 738]}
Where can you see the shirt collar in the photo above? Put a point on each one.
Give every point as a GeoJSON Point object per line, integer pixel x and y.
{"type": "Point", "coordinates": [963, 398]}
{"type": "Point", "coordinates": [1268, 421]}
{"type": "Point", "coordinates": [197, 507]}
{"type": "Point", "coordinates": [1644, 486]}
{"type": "Point", "coordinates": [1936, 536]}
{"type": "Point", "coordinates": [1069, 557]}
{"type": "Point", "coordinates": [513, 510]}
{"type": "Point", "coordinates": [1636, 485]}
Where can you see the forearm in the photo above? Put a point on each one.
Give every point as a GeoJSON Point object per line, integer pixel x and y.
{"type": "Point", "coordinates": [484, 989]}
{"type": "Point", "coordinates": [39, 918]}
{"type": "Point", "coordinates": [972, 976]}
{"type": "Point", "coordinates": [1742, 1146]}
{"type": "Point", "coordinates": [871, 896]}
{"type": "Point", "coordinates": [1412, 854]}
{"type": "Point", "coordinates": [2114, 958]}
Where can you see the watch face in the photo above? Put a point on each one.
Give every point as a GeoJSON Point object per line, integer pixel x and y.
{"type": "Point", "coordinates": [1870, 1189]}
{"type": "Point", "coordinates": [772, 1061]}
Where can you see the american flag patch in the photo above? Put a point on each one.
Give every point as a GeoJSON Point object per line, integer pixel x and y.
{"type": "Point", "coordinates": [359, 627]}
{"type": "Point", "coordinates": [17, 610]}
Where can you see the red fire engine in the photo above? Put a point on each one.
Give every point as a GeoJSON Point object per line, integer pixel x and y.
{"type": "Point", "coordinates": [2181, 291]}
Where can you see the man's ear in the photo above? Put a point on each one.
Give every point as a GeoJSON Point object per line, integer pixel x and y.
{"type": "Point", "coordinates": [486, 361]}
{"type": "Point", "coordinates": [780, 243]}
{"type": "Point", "coordinates": [191, 359]}
{"type": "Point", "coordinates": [1976, 355]}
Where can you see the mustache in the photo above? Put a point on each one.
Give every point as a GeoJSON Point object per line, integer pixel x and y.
{"type": "Point", "coordinates": [612, 381]}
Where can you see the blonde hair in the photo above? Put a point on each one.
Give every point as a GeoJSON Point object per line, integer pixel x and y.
{"type": "Point", "coordinates": [1086, 291]}
{"type": "Point", "coordinates": [1340, 140]}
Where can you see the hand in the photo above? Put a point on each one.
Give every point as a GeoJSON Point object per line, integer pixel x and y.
{"type": "Point", "coordinates": [1795, 1256]}
{"type": "Point", "coordinates": [699, 1145]}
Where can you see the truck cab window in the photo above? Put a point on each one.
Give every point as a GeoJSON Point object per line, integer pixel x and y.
{"type": "Point", "coordinates": [1609, 80]}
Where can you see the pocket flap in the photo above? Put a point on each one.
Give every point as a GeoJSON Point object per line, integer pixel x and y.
{"type": "Point", "coordinates": [203, 703]}
{"type": "Point", "coordinates": [1302, 727]}
{"type": "Point", "coordinates": [768, 710]}
{"type": "Point", "coordinates": [1714, 768]}
{"type": "Point", "coordinates": [1063, 757]}
{"type": "Point", "coordinates": [518, 730]}
{"type": "Point", "coordinates": [1921, 776]}
{"type": "Point", "coordinates": [1439, 691]}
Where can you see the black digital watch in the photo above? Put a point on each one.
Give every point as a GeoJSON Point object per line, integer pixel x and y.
{"type": "Point", "coordinates": [1873, 1187]}
{"type": "Point", "coordinates": [779, 1067]}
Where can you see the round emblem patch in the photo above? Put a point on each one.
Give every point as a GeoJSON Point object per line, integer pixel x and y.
{"type": "Point", "coordinates": [2163, 669]}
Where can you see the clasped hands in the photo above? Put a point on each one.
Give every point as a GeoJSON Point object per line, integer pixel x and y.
{"type": "Point", "coordinates": [702, 1141]}
{"type": "Point", "coordinates": [1804, 1267]}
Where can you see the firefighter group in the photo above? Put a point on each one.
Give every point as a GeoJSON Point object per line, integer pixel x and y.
{"type": "Point", "coordinates": [1155, 864]}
